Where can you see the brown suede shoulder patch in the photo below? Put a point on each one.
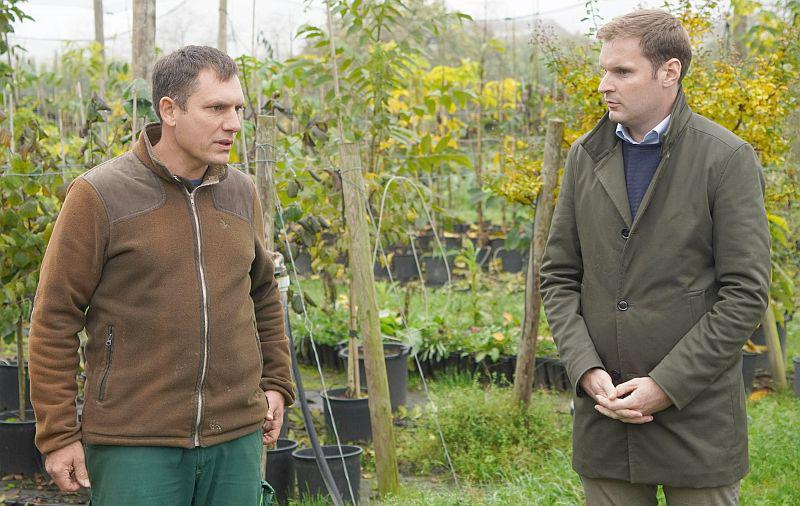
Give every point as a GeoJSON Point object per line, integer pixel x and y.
{"type": "Point", "coordinates": [234, 195]}
{"type": "Point", "coordinates": [126, 186]}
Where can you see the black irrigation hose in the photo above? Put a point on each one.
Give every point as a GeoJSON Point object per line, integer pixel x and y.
{"type": "Point", "coordinates": [322, 463]}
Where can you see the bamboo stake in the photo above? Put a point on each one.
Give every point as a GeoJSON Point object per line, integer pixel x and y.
{"type": "Point", "coordinates": [775, 354]}
{"type": "Point", "coordinates": [10, 103]}
{"type": "Point", "coordinates": [526, 357]}
{"type": "Point", "coordinates": [353, 374]}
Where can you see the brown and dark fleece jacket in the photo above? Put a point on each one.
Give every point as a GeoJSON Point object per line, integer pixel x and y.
{"type": "Point", "coordinates": [177, 294]}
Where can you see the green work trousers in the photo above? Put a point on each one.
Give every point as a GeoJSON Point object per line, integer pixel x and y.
{"type": "Point", "coordinates": [220, 475]}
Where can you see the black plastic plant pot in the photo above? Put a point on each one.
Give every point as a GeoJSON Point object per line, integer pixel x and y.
{"type": "Point", "coordinates": [280, 469]}
{"type": "Point", "coordinates": [396, 356]}
{"type": "Point", "coordinates": [796, 362]}
{"type": "Point", "coordinates": [540, 371]}
{"type": "Point", "coordinates": [302, 263]}
{"type": "Point", "coordinates": [500, 372]}
{"type": "Point", "coordinates": [557, 376]}
{"type": "Point", "coordinates": [404, 267]}
{"type": "Point", "coordinates": [379, 271]}
{"type": "Point", "coordinates": [9, 387]}
{"type": "Point", "coordinates": [18, 453]}
{"type": "Point", "coordinates": [309, 479]}
{"type": "Point", "coordinates": [749, 369]}
{"type": "Point", "coordinates": [511, 260]}
{"type": "Point", "coordinates": [452, 242]}
{"type": "Point", "coordinates": [351, 416]}
{"type": "Point", "coordinates": [436, 270]}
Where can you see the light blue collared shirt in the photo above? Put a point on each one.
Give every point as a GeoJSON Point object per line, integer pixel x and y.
{"type": "Point", "coordinates": [652, 137]}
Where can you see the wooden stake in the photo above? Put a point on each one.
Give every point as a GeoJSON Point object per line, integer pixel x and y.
{"type": "Point", "coordinates": [364, 285]}
{"type": "Point", "coordinates": [774, 352]}
{"type": "Point", "coordinates": [222, 26]}
{"type": "Point", "coordinates": [266, 137]}
{"type": "Point", "coordinates": [526, 356]}
{"type": "Point", "coordinates": [98, 25]}
{"type": "Point", "coordinates": [143, 39]}
{"type": "Point", "coordinates": [133, 120]}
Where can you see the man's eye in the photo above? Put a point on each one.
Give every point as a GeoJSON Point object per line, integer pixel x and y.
{"type": "Point", "coordinates": [217, 108]}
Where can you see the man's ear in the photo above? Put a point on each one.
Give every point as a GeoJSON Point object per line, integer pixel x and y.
{"type": "Point", "coordinates": [672, 72]}
{"type": "Point", "coordinates": [167, 107]}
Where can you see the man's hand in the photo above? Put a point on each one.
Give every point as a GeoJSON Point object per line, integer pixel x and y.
{"type": "Point", "coordinates": [68, 467]}
{"type": "Point", "coordinates": [641, 395]}
{"type": "Point", "coordinates": [272, 424]}
{"type": "Point", "coordinates": [597, 383]}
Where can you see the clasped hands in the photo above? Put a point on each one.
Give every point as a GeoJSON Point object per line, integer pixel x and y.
{"type": "Point", "coordinates": [634, 401]}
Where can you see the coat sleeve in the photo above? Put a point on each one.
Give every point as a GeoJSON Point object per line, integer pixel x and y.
{"type": "Point", "coordinates": [742, 264]}
{"type": "Point", "coordinates": [70, 272]}
{"type": "Point", "coordinates": [561, 277]}
{"type": "Point", "coordinates": [276, 358]}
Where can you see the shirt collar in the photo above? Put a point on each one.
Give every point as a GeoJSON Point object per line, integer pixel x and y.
{"type": "Point", "coordinates": [652, 137]}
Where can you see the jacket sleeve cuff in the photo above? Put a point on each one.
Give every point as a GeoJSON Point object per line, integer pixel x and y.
{"type": "Point", "coordinates": [56, 442]}
{"type": "Point", "coordinates": [576, 370]}
{"type": "Point", "coordinates": [662, 379]}
{"type": "Point", "coordinates": [285, 388]}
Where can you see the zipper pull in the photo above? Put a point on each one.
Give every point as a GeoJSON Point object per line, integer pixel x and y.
{"type": "Point", "coordinates": [110, 336]}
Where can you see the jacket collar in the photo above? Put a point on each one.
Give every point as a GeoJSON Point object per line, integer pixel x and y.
{"type": "Point", "coordinates": [603, 136]}
{"type": "Point", "coordinates": [603, 147]}
{"type": "Point", "coordinates": [143, 149]}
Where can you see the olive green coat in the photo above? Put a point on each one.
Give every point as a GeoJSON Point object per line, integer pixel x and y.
{"type": "Point", "coordinates": [673, 293]}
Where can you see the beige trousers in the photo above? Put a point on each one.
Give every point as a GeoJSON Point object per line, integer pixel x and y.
{"type": "Point", "coordinates": [621, 493]}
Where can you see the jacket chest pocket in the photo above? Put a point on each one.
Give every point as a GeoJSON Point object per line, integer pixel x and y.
{"type": "Point", "coordinates": [101, 390]}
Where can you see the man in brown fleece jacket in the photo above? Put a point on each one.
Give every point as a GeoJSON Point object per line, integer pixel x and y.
{"type": "Point", "coordinates": [160, 255]}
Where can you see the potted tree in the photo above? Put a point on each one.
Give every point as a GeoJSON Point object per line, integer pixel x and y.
{"type": "Point", "coordinates": [28, 207]}
{"type": "Point", "coordinates": [347, 409]}
{"type": "Point", "coordinates": [18, 454]}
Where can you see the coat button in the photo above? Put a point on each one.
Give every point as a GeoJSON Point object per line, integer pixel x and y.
{"type": "Point", "coordinates": [625, 233]}
{"type": "Point", "coordinates": [622, 305]}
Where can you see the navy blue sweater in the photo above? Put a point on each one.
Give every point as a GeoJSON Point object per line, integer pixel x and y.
{"type": "Point", "coordinates": [640, 162]}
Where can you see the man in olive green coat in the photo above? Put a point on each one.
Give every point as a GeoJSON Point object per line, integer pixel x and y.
{"type": "Point", "coordinates": [656, 271]}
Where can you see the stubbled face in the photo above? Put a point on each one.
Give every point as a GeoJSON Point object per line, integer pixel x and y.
{"type": "Point", "coordinates": [634, 97]}
{"type": "Point", "coordinates": [204, 132]}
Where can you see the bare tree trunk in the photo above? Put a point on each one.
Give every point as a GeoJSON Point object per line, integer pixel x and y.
{"type": "Point", "coordinates": [222, 27]}
{"type": "Point", "coordinates": [526, 356]}
{"type": "Point", "coordinates": [144, 39]}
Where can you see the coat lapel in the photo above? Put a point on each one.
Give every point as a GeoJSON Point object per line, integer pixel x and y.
{"type": "Point", "coordinates": [605, 148]}
{"type": "Point", "coordinates": [611, 173]}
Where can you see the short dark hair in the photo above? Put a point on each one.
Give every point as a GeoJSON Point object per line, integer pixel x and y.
{"type": "Point", "coordinates": [175, 75]}
{"type": "Point", "coordinates": [661, 36]}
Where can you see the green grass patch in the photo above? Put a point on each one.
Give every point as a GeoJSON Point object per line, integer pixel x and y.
{"type": "Point", "coordinates": [774, 426]}
{"type": "Point", "coordinates": [488, 438]}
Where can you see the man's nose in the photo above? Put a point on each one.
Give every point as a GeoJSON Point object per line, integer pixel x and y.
{"type": "Point", "coordinates": [605, 84]}
{"type": "Point", "coordinates": [233, 121]}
